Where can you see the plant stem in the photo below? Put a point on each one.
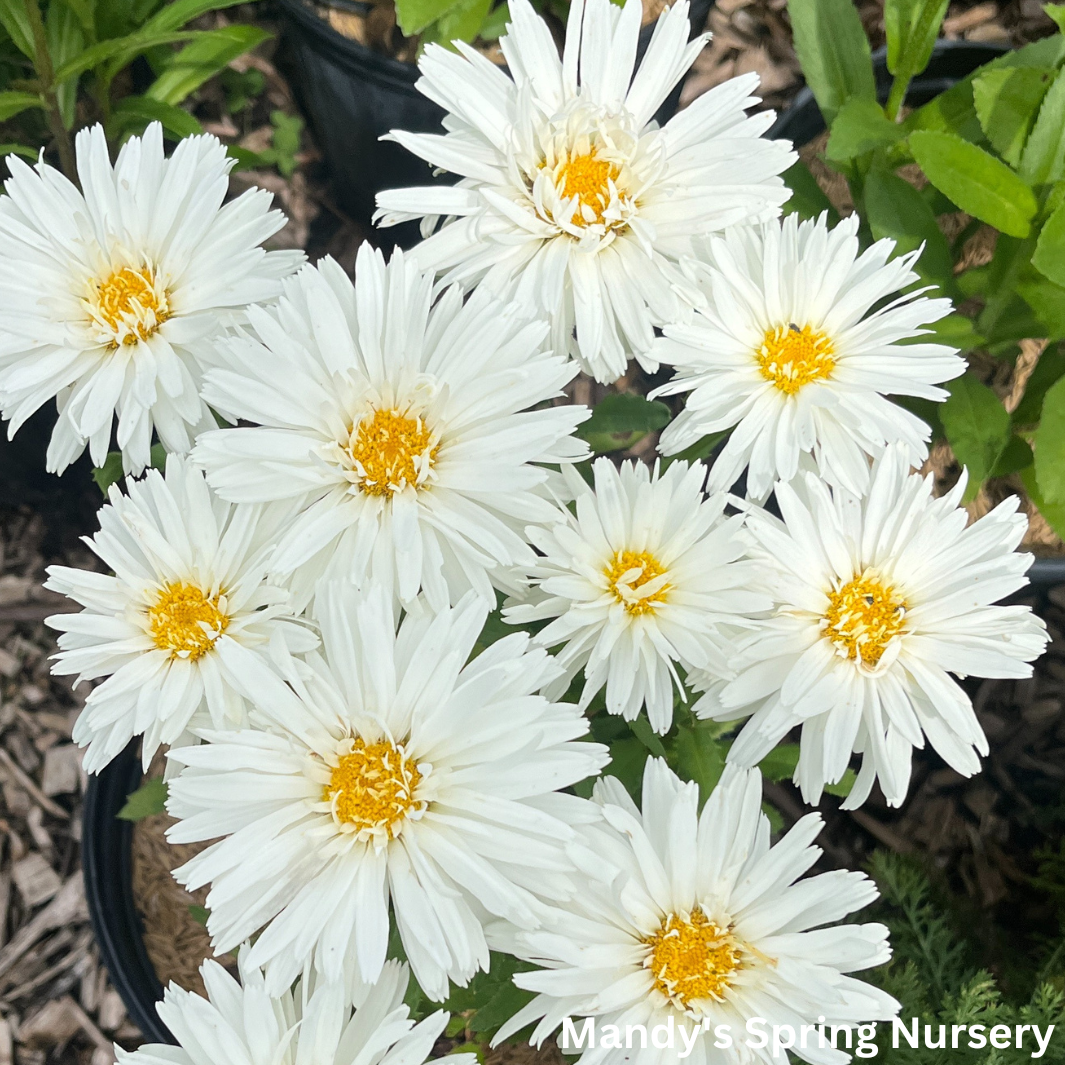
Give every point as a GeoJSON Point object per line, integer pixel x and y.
{"type": "Point", "coordinates": [42, 63]}
{"type": "Point", "coordinates": [897, 96]}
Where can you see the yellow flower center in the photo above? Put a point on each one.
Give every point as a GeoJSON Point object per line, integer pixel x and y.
{"type": "Point", "coordinates": [130, 298]}
{"type": "Point", "coordinates": [587, 177]}
{"type": "Point", "coordinates": [373, 787]}
{"type": "Point", "coordinates": [791, 357]}
{"type": "Point", "coordinates": [186, 622]}
{"type": "Point", "coordinates": [863, 617]}
{"type": "Point", "coordinates": [391, 450]}
{"type": "Point", "coordinates": [692, 959]}
{"type": "Point", "coordinates": [630, 574]}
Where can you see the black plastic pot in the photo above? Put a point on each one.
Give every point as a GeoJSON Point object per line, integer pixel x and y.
{"type": "Point", "coordinates": [353, 95]}
{"type": "Point", "coordinates": [951, 61]}
{"type": "Point", "coordinates": [107, 866]}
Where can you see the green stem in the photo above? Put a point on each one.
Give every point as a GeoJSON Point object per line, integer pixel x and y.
{"type": "Point", "coordinates": [42, 63]}
{"type": "Point", "coordinates": [897, 96]}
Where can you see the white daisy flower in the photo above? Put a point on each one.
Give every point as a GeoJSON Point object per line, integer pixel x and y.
{"type": "Point", "coordinates": [571, 197]}
{"type": "Point", "coordinates": [311, 1024]}
{"type": "Point", "coordinates": [693, 921]}
{"type": "Point", "coordinates": [188, 598]}
{"type": "Point", "coordinates": [109, 295]}
{"type": "Point", "coordinates": [788, 349]}
{"type": "Point", "coordinates": [401, 431]}
{"type": "Point", "coordinates": [396, 772]}
{"type": "Point", "coordinates": [642, 576]}
{"type": "Point", "coordinates": [878, 600]}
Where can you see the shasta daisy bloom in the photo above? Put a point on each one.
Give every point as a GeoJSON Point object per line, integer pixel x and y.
{"type": "Point", "coordinates": [788, 349]}
{"type": "Point", "coordinates": [877, 601]}
{"type": "Point", "coordinates": [311, 1024]}
{"type": "Point", "coordinates": [188, 598]}
{"type": "Point", "coordinates": [644, 575]}
{"type": "Point", "coordinates": [394, 772]}
{"type": "Point", "coordinates": [109, 296]}
{"type": "Point", "coordinates": [571, 197]}
{"type": "Point", "coordinates": [400, 430]}
{"type": "Point", "coordinates": [693, 921]}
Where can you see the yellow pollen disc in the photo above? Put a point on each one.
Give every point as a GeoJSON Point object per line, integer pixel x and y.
{"type": "Point", "coordinates": [791, 357]}
{"type": "Point", "coordinates": [391, 450]}
{"type": "Point", "coordinates": [648, 567]}
{"type": "Point", "coordinates": [373, 786]}
{"type": "Point", "coordinates": [692, 959]}
{"type": "Point", "coordinates": [128, 291]}
{"type": "Point", "coordinates": [863, 616]}
{"type": "Point", "coordinates": [587, 177]}
{"type": "Point", "coordinates": [178, 620]}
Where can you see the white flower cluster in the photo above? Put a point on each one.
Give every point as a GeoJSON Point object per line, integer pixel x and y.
{"type": "Point", "coordinates": [297, 604]}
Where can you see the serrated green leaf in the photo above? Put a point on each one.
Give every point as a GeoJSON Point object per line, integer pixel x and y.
{"type": "Point", "coordinates": [462, 22]}
{"type": "Point", "coordinates": [1049, 256]}
{"type": "Point", "coordinates": [834, 52]}
{"type": "Point", "coordinates": [977, 427]}
{"type": "Point", "coordinates": [627, 760]}
{"type": "Point", "coordinates": [201, 59]}
{"type": "Point", "coordinates": [1049, 446]}
{"type": "Point", "coordinates": [700, 757]}
{"type": "Point", "coordinates": [147, 800]}
{"type": "Point", "coordinates": [911, 27]}
{"type": "Point", "coordinates": [895, 209]}
{"type": "Point", "coordinates": [133, 113]}
{"type": "Point", "coordinates": [780, 763]}
{"type": "Point", "coordinates": [1007, 102]}
{"type": "Point", "coordinates": [976, 181]}
{"type": "Point", "coordinates": [1043, 160]}
{"type": "Point", "coordinates": [861, 126]}
{"type": "Point", "coordinates": [621, 419]}
{"type": "Point", "coordinates": [14, 103]}
{"type": "Point", "coordinates": [1049, 369]}
{"type": "Point", "coordinates": [1053, 512]}
{"type": "Point", "coordinates": [807, 198]}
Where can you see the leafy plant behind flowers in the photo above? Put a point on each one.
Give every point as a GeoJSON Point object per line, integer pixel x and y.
{"type": "Point", "coordinates": [64, 63]}
{"type": "Point", "coordinates": [992, 147]}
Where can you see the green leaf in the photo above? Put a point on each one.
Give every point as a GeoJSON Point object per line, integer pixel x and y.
{"type": "Point", "coordinates": [201, 59]}
{"type": "Point", "coordinates": [977, 427]}
{"type": "Point", "coordinates": [13, 103]}
{"type": "Point", "coordinates": [1049, 446]}
{"type": "Point", "coordinates": [620, 419]}
{"type": "Point", "coordinates": [148, 799]}
{"type": "Point", "coordinates": [1057, 13]}
{"type": "Point", "coordinates": [842, 788]}
{"type": "Point", "coordinates": [175, 15]}
{"type": "Point", "coordinates": [955, 109]}
{"type": "Point", "coordinates": [1049, 369]}
{"type": "Point", "coordinates": [477, 1049]}
{"type": "Point", "coordinates": [462, 22]}
{"type": "Point", "coordinates": [65, 39]}
{"type": "Point", "coordinates": [780, 763]}
{"type": "Point", "coordinates": [807, 198]}
{"type": "Point", "coordinates": [110, 472]}
{"type": "Point", "coordinates": [641, 729]}
{"type": "Point", "coordinates": [1043, 160]}
{"type": "Point", "coordinates": [977, 182]}
{"type": "Point", "coordinates": [895, 209]}
{"type": "Point", "coordinates": [1049, 257]}
{"type": "Point", "coordinates": [701, 449]}
{"type": "Point", "coordinates": [117, 52]}
{"type": "Point", "coordinates": [1007, 102]}
{"type": "Point", "coordinates": [495, 25]}
{"type": "Point", "coordinates": [414, 15]}
{"type": "Point", "coordinates": [911, 27]}
{"type": "Point", "coordinates": [1053, 512]}
{"type": "Point", "coordinates": [1015, 456]}
{"type": "Point", "coordinates": [284, 142]}
{"type": "Point", "coordinates": [1047, 303]}
{"type": "Point", "coordinates": [861, 126]}
{"type": "Point", "coordinates": [627, 760]}
{"type": "Point", "coordinates": [18, 149]}
{"type": "Point", "coordinates": [834, 52]}
{"type": "Point", "coordinates": [199, 914]}
{"type": "Point", "coordinates": [700, 757]}
{"type": "Point", "coordinates": [14, 19]}
{"type": "Point", "coordinates": [133, 113]}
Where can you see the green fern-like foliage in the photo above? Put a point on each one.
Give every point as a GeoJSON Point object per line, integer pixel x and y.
{"type": "Point", "coordinates": [934, 977]}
